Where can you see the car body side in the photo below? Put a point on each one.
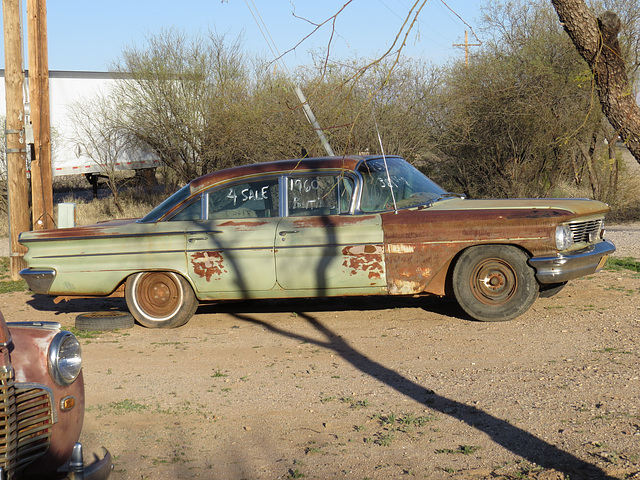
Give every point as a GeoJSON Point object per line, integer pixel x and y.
{"type": "Point", "coordinates": [394, 251]}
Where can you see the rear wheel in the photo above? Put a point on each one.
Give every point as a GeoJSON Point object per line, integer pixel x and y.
{"type": "Point", "coordinates": [494, 283]}
{"type": "Point", "coordinates": [160, 299]}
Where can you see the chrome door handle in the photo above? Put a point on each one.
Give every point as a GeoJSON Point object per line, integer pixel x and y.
{"type": "Point", "coordinates": [197, 239]}
{"type": "Point", "coordinates": [285, 232]}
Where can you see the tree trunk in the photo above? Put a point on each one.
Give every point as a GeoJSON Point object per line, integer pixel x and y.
{"type": "Point", "coordinates": [596, 39]}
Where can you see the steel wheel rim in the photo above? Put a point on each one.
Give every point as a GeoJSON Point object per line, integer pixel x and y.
{"type": "Point", "coordinates": [494, 281]}
{"type": "Point", "coordinates": [158, 295]}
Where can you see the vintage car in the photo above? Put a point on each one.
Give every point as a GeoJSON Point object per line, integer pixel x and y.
{"type": "Point", "coordinates": [323, 227]}
{"type": "Point", "coordinates": [42, 397]}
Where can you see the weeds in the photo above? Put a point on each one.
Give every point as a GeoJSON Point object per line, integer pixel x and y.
{"type": "Point", "coordinates": [617, 264]}
{"type": "Point", "coordinates": [124, 406]}
{"type": "Point", "coordinates": [6, 284]}
{"type": "Point", "coordinates": [295, 474]}
{"type": "Point", "coordinates": [404, 421]}
{"type": "Point", "coordinates": [462, 449]}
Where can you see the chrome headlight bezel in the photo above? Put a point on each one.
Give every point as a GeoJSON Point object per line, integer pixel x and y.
{"type": "Point", "coordinates": [65, 358]}
{"type": "Point", "coordinates": [564, 237]}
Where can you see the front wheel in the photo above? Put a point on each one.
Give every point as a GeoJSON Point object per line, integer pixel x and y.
{"type": "Point", "coordinates": [494, 283]}
{"type": "Point", "coordinates": [160, 299]}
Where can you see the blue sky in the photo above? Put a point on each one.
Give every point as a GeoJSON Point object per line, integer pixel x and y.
{"type": "Point", "coordinates": [90, 35]}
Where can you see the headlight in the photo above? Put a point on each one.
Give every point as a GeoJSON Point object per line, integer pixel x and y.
{"type": "Point", "coordinates": [65, 358]}
{"type": "Point", "coordinates": [564, 237]}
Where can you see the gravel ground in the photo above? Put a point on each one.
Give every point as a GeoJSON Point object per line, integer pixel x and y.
{"type": "Point", "coordinates": [373, 388]}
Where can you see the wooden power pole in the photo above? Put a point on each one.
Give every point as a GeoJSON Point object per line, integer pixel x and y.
{"type": "Point", "coordinates": [41, 175]}
{"type": "Point", "coordinates": [17, 187]}
{"type": "Point", "coordinates": [466, 46]}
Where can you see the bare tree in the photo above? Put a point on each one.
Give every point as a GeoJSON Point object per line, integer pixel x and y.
{"type": "Point", "coordinates": [98, 134]}
{"type": "Point", "coordinates": [596, 39]}
{"type": "Point", "coordinates": [178, 95]}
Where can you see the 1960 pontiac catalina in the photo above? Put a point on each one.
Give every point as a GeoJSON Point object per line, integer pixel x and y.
{"type": "Point", "coordinates": [323, 227]}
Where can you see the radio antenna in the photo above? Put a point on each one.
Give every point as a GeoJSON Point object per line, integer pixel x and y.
{"type": "Point", "coordinates": [386, 167]}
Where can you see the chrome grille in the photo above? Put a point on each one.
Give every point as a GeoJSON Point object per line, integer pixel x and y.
{"type": "Point", "coordinates": [8, 422]}
{"type": "Point", "coordinates": [587, 231]}
{"type": "Point", "coordinates": [25, 423]}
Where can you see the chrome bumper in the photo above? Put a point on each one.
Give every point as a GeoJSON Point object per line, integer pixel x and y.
{"type": "Point", "coordinates": [100, 469]}
{"type": "Point", "coordinates": [562, 268]}
{"type": "Point", "coordinates": [38, 279]}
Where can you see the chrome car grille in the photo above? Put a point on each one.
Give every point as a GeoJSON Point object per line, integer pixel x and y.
{"type": "Point", "coordinates": [588, 231]}
{"type": "Point", "coordinates": [25, 423]}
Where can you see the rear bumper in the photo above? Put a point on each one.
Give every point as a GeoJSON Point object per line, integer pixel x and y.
{"type": "Point", "coordinates": [562, 268]}
{"type": "Point", "coordinates": [39, 279]}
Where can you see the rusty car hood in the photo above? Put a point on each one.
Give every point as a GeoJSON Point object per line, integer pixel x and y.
{"type": "Point", "coordinates": [575, 206]}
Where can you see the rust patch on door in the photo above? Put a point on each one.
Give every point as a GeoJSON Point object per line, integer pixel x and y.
{"type": "Point", "coordinates": [208, 264]}
{"type": "Point", "coordinates": [364, 258]}
{"type": "Point", "coordinates": [241, 225]}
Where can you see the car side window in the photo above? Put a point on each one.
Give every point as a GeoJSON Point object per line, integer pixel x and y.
{"type": "Point", "coordinates": [255, 199]}
{"type": "Point", "coordinates": [193, 211]}
{"type": "Point", "coordinates": [319, 194]}
{"type": "Point", "coordinates": [376, 194]}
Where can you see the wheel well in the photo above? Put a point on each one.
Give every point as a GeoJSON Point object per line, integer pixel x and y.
{"type": "Point", "coordinates": [448, 284]}
{"type": "Point", "coordinates": [123, 282]}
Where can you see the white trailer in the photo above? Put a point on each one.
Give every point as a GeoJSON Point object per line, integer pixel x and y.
{"type": "Point", "coordinates": [67, 158]}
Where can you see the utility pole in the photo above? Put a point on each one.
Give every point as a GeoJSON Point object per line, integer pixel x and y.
{"type": "Point", "coordinates": [466, 46]}
{"type": "Point", "coordinates": [41, 175]}
{"type": "Point", "coordinates": [314, 123]}
{"type": "Point", "coordinates": [17, 188]}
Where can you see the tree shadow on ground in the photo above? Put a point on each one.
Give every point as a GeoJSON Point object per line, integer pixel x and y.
{"type": "Point", "coordinates": [505, 434]}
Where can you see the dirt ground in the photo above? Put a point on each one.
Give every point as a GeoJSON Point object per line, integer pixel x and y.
{"type": "Point", "coordinates": [369, 388]}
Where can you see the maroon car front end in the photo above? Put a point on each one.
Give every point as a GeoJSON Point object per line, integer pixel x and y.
{"type": "Point", "coordinates": [42, 404]}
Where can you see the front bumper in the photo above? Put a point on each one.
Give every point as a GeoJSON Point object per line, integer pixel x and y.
{"type": "Point", "coordinates": [562, 268]}
{"type": "Point", "coordinates": [100, 469]}
{"type": "Point", "coordinates": [38, 279]}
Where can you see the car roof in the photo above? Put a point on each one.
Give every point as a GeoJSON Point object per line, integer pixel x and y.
{"type": "Point", "coordinates": [346, 162]}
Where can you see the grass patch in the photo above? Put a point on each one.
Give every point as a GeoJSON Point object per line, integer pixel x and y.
{"type": "Point", "coordinates": [125, 406]}
{"type": "Point", "coordinates": [6, 284]}
{"type": "Point", "coordinates": [462, 449]}
{"type": "Point", "coordinates": [615, 264]}
{"type": "Point", "coordinates": [85, 334]}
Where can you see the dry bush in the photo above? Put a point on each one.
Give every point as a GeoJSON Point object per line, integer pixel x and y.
{"type": "Point", "coordinates": [134, 205]}
{"type": "Point", "coordinates": [626, 205]}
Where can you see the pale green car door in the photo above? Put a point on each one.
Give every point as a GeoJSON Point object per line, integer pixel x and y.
{"type": "Point", "coordinates": [321, 248]}
{"type": "Point", "coordinates": [230, 254]}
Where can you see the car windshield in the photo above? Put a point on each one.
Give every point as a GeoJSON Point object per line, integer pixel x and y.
{"type": "Point", "coordinates": [157, 213]}
{"type": "Point", "coordinates": [409, 187]}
